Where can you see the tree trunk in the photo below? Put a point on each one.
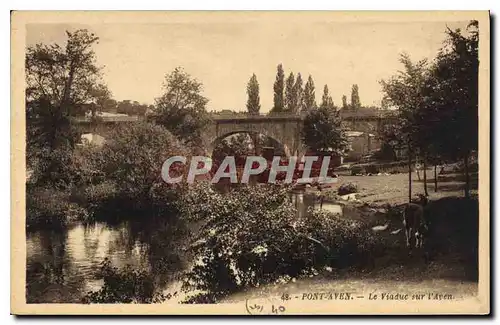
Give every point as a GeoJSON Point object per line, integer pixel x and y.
{"type": "Point", "coordinates": [425, 177]}
{"type": "Point", "coordinates": [417, 168]}
{"type": "Point", "coordinates": [409, 174]}
{"type": "Point", "coordinates": [435, 179]}
{"type": "Point", "coordinates": [67, 89]}
{"type": "Point", "coordinates": [466, 171]}
{"type": "Point", "coordinates": [256, 143]}
{"type": "Point", "coordinates": [256, 147]}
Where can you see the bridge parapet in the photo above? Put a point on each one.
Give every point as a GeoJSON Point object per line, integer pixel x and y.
{"type": "Point", "coordinates": [107, 119]}
{"type": "Point", "coordinates": [347, 114]}
{"type": "Point", "coordinates": [246, 116]}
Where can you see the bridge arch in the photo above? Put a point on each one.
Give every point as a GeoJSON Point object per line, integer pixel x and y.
{"type": "Point", "coordinates": [284, 130]}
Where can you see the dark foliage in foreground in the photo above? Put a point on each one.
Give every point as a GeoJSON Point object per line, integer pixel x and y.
{"type": "Point", "coordinates": [251, 237]}
{"type": "Point", "coordinates": [123, 177]}
{"type": "Point", "coordinates": [125, 286]}
{"type": "Point", "coordinates": [238, 249]}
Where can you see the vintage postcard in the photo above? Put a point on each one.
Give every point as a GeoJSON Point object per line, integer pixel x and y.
{"type": "Point", "coordinates": [250, 163]}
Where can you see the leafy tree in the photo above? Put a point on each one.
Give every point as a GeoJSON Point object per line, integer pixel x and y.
{"type": "Point", "coordinates": [326, 99]}
{"type": "Point", "coordinates": [253, 102]}
{"type": "Point", "coordinates": [136, 155]}
{"type": "Point", "coordinates": [438, 106]}
{"type": "Point", "coordinates": [182, 107]}
{"type": "Point", "coordinates": [239, 146]}
{"type": "Point", "coordinates": [110, 106]}
{"type": "Point", "coordinates": [344, 102]}
{"type": "Point", "coordinates": [279, 88]}
{"type": "Point", "coordinates": [322, 130]}
{"type": "Point", "coordinates": [131, 108]}
{"type": "Point", "coordinates": [454, 94]}
{"type": "Point", "coordinates": [309, 96]}
{"type": "Point", "coordinates": [62, 81]}
{"type": "Point", "coordinates": [405, 91]}
{"type": "Point", "coordinates": [130, 162]}
{"type": "Point", "coordinates": [355, 101]}
{"type": "Point", "coordinates": [384, 104]}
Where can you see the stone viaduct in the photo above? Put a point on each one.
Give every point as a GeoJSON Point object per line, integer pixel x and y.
{"type": "Point", "coordinates": [283, 128]}
{"type": "Point", "coordinates": [286, 128]}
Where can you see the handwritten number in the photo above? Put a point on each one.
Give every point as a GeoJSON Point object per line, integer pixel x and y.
{"type": "Point", "coordinates": [285, 297]}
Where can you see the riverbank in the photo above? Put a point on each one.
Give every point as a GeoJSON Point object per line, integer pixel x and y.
{"type": "Point", "coordinates": [447, 264]}
{"type": "Point", "coordinates": [256, 231]}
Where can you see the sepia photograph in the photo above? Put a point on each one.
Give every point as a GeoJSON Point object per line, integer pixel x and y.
{"type": "Point", "coordinates": [252, 163]}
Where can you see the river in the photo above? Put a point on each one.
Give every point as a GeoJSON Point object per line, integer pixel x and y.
{"type": "Point", "coordinates": [63, 265]}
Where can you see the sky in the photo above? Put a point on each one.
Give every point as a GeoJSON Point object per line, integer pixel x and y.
{"type": "Point", "coordinates": [224, 55]}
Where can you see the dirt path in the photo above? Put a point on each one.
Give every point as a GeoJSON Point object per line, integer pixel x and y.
{"type": "Point", "coordinates": [361, 288]}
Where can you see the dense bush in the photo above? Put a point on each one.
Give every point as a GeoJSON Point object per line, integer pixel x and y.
{"type": "Point", "coordinates": [252, 236]}
{"type": "Point", "coordinates": [50, 168]}
{"type": "Point", "coordinates": [125, 286]}
{"type": "Point", "coordinates": [132, 158]}
{"type": "Point", "coordinates": [88, 166]}
{"type": "Point", "coordinates": [347, 188]}
{"type": "Point", "coordinates": [97, 195]}
{"type": "Point", "coordinates": [348, 243]}
{"type": "Point", "coordinates": [244, 237]}
{"type": "Point", "coordinates": [49, 207]}
{"type": "Point", "coordinates": [459, 167]}
{"type": "Point", "coordinates": [125, 173]}
{"type": "Point", "coordinates": [135, 155]}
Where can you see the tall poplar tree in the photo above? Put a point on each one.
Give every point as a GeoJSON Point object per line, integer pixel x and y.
{"type": "Point", "coordinates": [290, 97]}
{"type": "Point", "coordinates": [326, 100]}
{"type": "Point", "coordinates": [279, 88]}
{"type": "Point", "coordinates": [253, 101]}
{"type": "Point", "coordinates": [344, 102]}
{"type": "Point", "coordinates": [309, 96]}
{"type": "Point", "coordinates": [299, 93]}
{"type": "Point", "coordinates": [355, 101]}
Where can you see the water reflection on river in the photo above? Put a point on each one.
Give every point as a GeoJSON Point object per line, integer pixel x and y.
{"type": "Point", "coordinates": [305, 201]}
{"type": "Point", "coordinates": [63, 265]}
